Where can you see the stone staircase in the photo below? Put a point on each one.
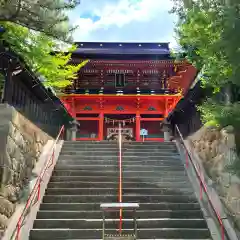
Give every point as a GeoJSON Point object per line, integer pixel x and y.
{"type": "Point", "coordinates": [86, 175]}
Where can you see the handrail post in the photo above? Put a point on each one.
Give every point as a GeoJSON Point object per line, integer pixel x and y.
{"type": "Point", "coordinates": [135, 224]}
{"type": "Point", "coordinates": [120, 174]}
{"type": "Point", "coordinates": [103, 225]}
{"type": "Point", "coordinates": [115, 207]}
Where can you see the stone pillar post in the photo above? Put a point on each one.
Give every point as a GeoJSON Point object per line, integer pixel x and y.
{"type": "Point", "coordinates": [74, 129]}
{"type": "Point", "coordinates": [74, 134]}
{"type": "Point", "coordinates": [167, 136]}
{"type": "Point", "coordinates": [166, 131]}
{"type": "Point", "coordinates": [68, 135]}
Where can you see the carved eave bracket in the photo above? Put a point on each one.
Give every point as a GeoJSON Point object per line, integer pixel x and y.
{"type": "Point", "coordinates": [138, 102]}
{"type": "Point", "coordinates": [101, 102]}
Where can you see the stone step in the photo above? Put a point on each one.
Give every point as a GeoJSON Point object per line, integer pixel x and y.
{"type": "Point", "coordinates": [103, 191]}
{"type": "Point", "coordinates": [87, 174]}
{"type": "Point", "coordinates": [157, 233]}
{"type": "Point", "coordinates": [176, 198]}
{"type": "Point", "coordinates": [175, 162]}
{"type": "Point", "coordinates": [116, 146]}
{"type": "Point", "coordinates": [172, 207]}
{"type": "Point", "coordinates": [126, 173]}
{"type": "Point", "coordinates": [63, 214]}
{"type": "Point", "coordinates": [87, 142]}
{"type": "Point", "coordinates": [114, 223]}
{"type": "Point", "coordinates": [108, 152]}
{"type": "Point", "coordinates": [148, 145]}
{"type": "Point", "coordinates": [151, 154]}
{"type": "Point", "coordinates": [89, 153]}
{"type": "Point", "coordinates": [115, 167]}
{"type": "Point", "coordinates": [116, 157]}
{"type": "Point", "coordinates": [152, 143]}
{"type": "Point", "coordinates": [90, 146]}
{"type": "Point", "coordinates": [93, 150]}
{"type": "Point", "coordinates": [115, 178]}
{"type": "Point", "coordinates": [134, 150]}
{"type": "Point", "coordinates": [87, 184]}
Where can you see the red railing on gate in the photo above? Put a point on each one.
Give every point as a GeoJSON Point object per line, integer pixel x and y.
{"type": "Point", "coordinates": [34, 196]}
{"type": "Point", "coordinates": [202, 184]}
{"type": "Point", "coordinates": [120, 174]}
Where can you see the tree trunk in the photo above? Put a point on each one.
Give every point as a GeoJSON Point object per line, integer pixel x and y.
{"type": "Point", "coordinates": [228, 94]}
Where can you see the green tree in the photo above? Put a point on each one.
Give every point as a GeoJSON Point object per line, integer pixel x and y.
{"type": "Point", "coordinates": [48, 16]}
{"type": "Point", "coordinates": [36, 49]}
{"type": "Point", "coordinates": [208, 32]}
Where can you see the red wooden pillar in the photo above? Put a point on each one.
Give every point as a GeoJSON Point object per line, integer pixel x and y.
{"type": "Point", "coordinates": [138, 126]}
{"type": "Point", "coordinates": [100, 126]}
{"type": "Point", "coordinates": [74, 133]}
{"type": "Point", "coordinates": [166, 108]}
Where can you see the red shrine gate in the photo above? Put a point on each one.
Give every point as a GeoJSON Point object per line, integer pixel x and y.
{"type": "Point", "coordinates": [99, 115]}
{"type": "Point", "coordinates": [135, 84]}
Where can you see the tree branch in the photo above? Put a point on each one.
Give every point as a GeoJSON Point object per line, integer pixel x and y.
{"type": "Point", "coordinates": [10, 18]}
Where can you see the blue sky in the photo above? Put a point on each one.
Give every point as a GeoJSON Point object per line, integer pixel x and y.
{"type": "Point", "coordinates": [124, 21]}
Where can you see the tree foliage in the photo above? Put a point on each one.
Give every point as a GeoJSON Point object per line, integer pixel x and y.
{"type": "Point", "coordinates": [48, 16]}
{"type": "Point", "coordinates": [220, 114]}
{"type": "Point", "coordinates": [208, 32]}
{"type": "Point", "coordinates": [36, 50]}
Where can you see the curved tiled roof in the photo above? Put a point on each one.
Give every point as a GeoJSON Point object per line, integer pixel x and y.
{"type": "Point", "coordinates": [131, 49]}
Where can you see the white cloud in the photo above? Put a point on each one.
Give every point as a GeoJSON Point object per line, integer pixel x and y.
{"type": "Point", "coordinates": [124, 20]}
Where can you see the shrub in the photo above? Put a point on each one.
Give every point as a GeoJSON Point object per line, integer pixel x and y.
{"type": "Point", "coordinates": [220, 114]}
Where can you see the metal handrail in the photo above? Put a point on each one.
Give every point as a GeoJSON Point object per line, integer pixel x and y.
{"type": "Point", "coordinates": [203, 185]}
{"type": "Point", "coordinates": [120, 175]}
{"type": "Point", "coordinates": [37, 188]}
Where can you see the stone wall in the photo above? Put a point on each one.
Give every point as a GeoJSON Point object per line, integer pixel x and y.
{"type": "Point", "coordinates": [21, 143]}
{"type": "Point", "coordinates": [217, 150]}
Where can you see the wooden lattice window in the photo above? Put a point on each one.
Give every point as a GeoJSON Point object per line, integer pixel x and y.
{"type": "Point", "coordinates": [119, 80]}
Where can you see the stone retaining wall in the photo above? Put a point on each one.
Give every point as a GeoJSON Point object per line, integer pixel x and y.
{"type": "Point", "coordinates": [21, 143]}
{"type": "Point", "coordinates": [217, 150]}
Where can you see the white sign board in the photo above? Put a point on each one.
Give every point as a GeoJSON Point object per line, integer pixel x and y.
{"type": "Point", "coordinates": [144, 132]}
